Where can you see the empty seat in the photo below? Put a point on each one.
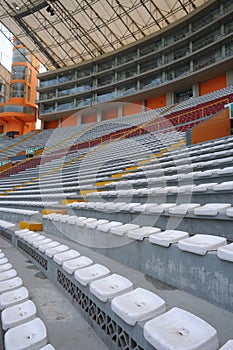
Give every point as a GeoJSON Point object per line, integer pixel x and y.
{"type": "Point", "coordinates": [3, 261]}
{"type": "Point", "coordinates": [108, 226]}
{"type": "Point", "coordinates": [50, 252]}
{"type": "Point", "coordinates": [59, 258]}
{"type": "Point", "coordinates": [75, 264]}
{"type": "Point", "coordinates": [182, 209]}
{"type": "Point", "coordinates": [137, 305]}
{"type": "Point", "coordinates": [49, 245]}
{"type": "Point", "coordinates": [94, 224]}
{"type": "Point", "coordinates": [224, 186]}
{"type": "Point", "coordinates": [211, 209]}
{"type": "Point", "coordinates": [228, 345]}
{"type": "Point", "coordinates": [226, 252]}
{"type": "Point", "coordinates": [5, 267]}
{"type": "Point", "coordinates": [123, 229]}
{"type": "Point", "coordinates": [18, 314]}
{"type": "Point", "coordinates": [47, 347]}
{"type": "Point", "coordinates": [142, 232]}
{"type": "Point", "coordinates": [29, 336]}
{"type": "Point", "coordinates": [110, 287]}
{"type": "Point", "coordinates": [168, 237]}
{"type": "Point", "coordinates": [36, 244]}
{"type": "Point", "coordinates": [13, 297]}
{"type": "Point", "coordinates": [31, 240]}
{"type": "Point", "coordinates": [161, 208]}
{"type": "Point", "coordinates": [30, 236]}
{"type": "Point", "coordinates": [6, 275]}
{"type": "Point", "coordinates": [201, 244]}
{"type": "Point", "coordinates": [10, 284]}
{"type": "Point", "coordinates": [91, 273]}
{"type": "Point", "coordinates": [179, 329]}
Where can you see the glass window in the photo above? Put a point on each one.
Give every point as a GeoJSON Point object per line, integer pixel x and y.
{"type": "Point", "coordinates": [17, 109]}
{"type": "Point", "coordinates": [18, 72]}
{"type": "Point", "coordinates": [17, 90]}
{"type": "Point", "coordinates": [47, 107]}
{"type": "Point", "coordinates": [127, 56]}
{"type": "Point", "coordinates": [29, 75]}
{"type": "Point", "coordinates": [29, 93]}
{"type": "Point", "coordinates": [65, 105]}
{"type": "Point", "coordinates": [150, 82]}
{"type": "Point", "coordinates": [105, 96]}
{"type": "Point", "coordinates": [150, 47]}
{"type": "Point", "coordinates": [127, 73]}
{"type": "Point", "coordinates": [66, 76]}
{"type": "Point", "coordinates": [65, 92]}
{"type": "Point", "coordinates": [47, 95]}
{"type": "Point", "coordinates": [20, 55]}
{"type": "Point", "coordinates": [48, 82]}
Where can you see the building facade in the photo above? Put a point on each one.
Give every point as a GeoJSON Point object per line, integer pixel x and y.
{"type": "Point", "coordinates": [191, 57]}
{"type": "Point", "coordinates": [19, 113]}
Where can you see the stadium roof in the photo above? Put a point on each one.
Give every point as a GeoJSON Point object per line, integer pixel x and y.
{"type": "Point", "coordinates": [65, 32]}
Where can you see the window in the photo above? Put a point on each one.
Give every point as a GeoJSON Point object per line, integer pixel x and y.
{"type": "Point", "coordinates": [20, 55]}
{"type": "Point", "coordinates": [17, 109]}
{"type": "Point", "coordinates": [29, 93]}
{"type": "Point", "coordinates": [19, 72]}
{"type": "Point", "coordinates": [17, 90]}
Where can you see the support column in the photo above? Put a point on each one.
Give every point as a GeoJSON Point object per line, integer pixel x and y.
{"type": "Point", "coordinates": [229, 78]}
{"type": "Point", "coordinates": [196, 91]}
{"type": "Point", "coordinates": [170, 98]}
{"type": "Point", "coordinates": [99, 116]}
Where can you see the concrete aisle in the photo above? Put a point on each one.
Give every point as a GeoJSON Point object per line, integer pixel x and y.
{"type": "Point", "coordinates": [67, 330]}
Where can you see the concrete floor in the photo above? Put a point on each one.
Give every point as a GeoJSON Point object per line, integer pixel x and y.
{"type": "Point", "coordinates": [67, 329]}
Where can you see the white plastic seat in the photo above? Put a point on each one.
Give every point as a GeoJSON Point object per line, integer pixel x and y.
{"type": "Point", "coordinates": [3, 261]}
{"type": "Point", "coordinates": [60, 258]}
{"type": "Point", "coordinates": [5, 267]}
{"type": "Point", "coordinates": [13, 297]}
{"type": "Point", "coordinates": [18, 314]}
{"type": "Point", "coordinates": [17, 232]}
{"type": "Point", "coordinates": [91, 273]}
{"type": "Point", "coordinates": [6, 275]}
{"type": "Point", "coordinates": [228, 345]}
{"type": "Point", "coordinates": [55, 250]}
{"type": "Point", "coordinates": [36, 244]}
{"type": "Point", "coordinates": [83, 222]}
{"type": "Point", "coordinates": [110, 287]}
{"type": "Point", "coordinates": [211, 209]}
{"type": "Point", "coordinates": [108, 226]}
{"type": "Point", "coordinates": [224, 186]}
{"type": "Point", "coordinates": [72, 265]}
{"type": "Point", "coordinates": [2, 255]}
{"type": "Point", "coordinates": [204, 187]}
{"type": "Point", "coordinates": [35, 239]}
{"type": "Point", "coordinates": [142, 232]}
{"type": "Point", "coordinates": [28, 336]}
{"type": "Point", "coordinates": [182, 209]}
{"type": "Point", "coordinates": [179, 329]}
{"type": "Point", "coordinates": [200, 244]}
{"type": "Point", "coordinates": [161, 208]}
{"type": "Point", "coordinates": [47, 347]}
{"type": "Point", "coordinates": [49, 245]}
{"type": "Point", "coordinates": [12, 283]}
{"type": "Point", "coordinates": [137, 305]}
{"type": "Point", "coordinates": [168, 237]}
{"type": "Point", "coordinates": [123, 229]}
{"type": "Point", "coordinates": [30, 236]}
{"type": "Point", "coordinates": [143, 207]}
{"type": "Point", "coordinates": [94, 224]}
{"type": "Point", "coordinates": [226, 252]}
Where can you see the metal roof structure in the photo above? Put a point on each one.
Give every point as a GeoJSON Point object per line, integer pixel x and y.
{"type": "Point", "coordinates": [65, 32]}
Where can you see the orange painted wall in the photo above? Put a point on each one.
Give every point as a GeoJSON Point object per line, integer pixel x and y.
{"type": "Point", "coordinates": [53, 124]}
{"type": "Point", "coordinates": [89, 119]}
{"type": "Point", "coordinates": [110, 115]}
{"type": "Point", "coordinates": [69, 121]}
{"type": "Point", "coordinates": [132, 108]}
{"type": "Point", "coordinates": [213, 128]}
{"type": "Point", "coordinates": [156, 102]}
{"type": "Point", "coordinates": [212, 85]}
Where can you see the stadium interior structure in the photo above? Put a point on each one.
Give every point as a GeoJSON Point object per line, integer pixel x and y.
{"type": "Point", "coordinates": [120, 209]}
